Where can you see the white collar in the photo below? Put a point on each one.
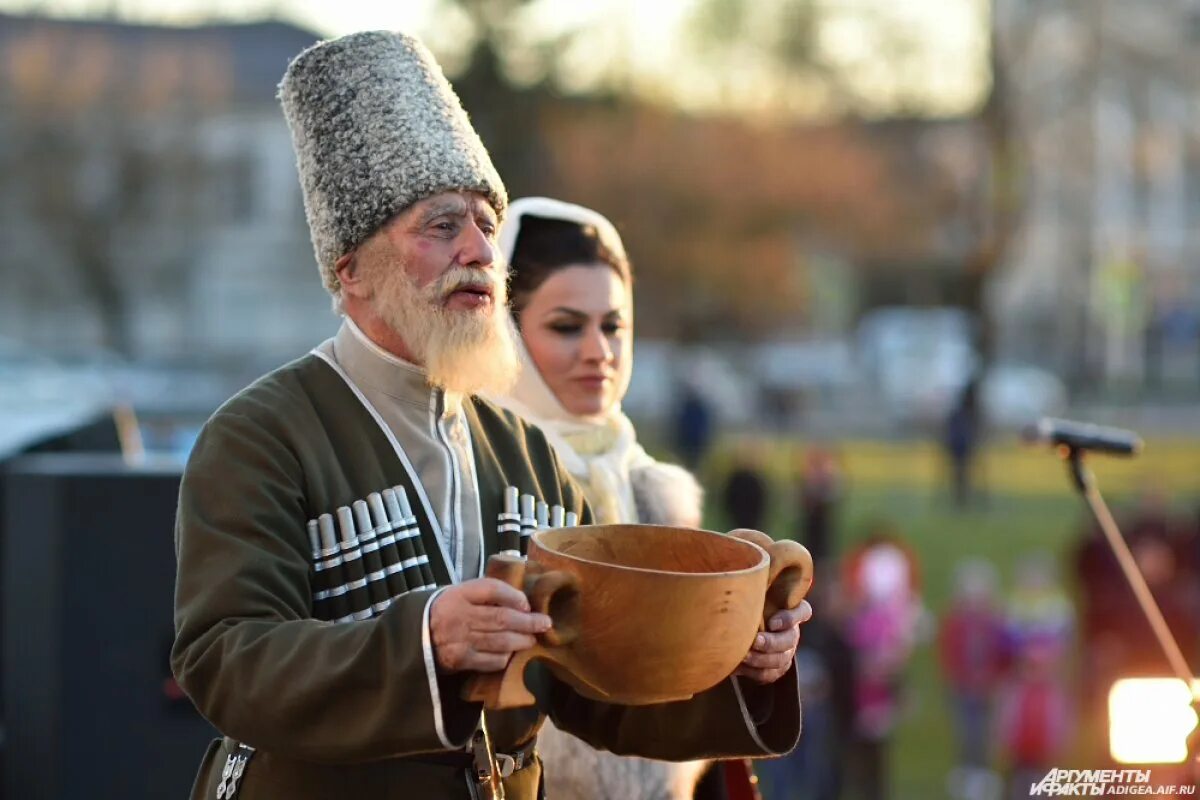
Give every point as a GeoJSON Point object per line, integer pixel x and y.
{"type": "Point", "coordinates": [371, 365]}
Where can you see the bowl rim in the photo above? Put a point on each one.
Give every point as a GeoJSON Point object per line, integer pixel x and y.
{"type": "Point", "coordinates": [763, 562]}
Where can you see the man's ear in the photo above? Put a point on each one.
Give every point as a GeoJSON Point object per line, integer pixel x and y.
{"type": "Point", "coordinates": [349, 275]}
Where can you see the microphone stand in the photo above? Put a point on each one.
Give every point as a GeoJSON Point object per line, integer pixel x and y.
{"type": "Point", "coordinates": [1085, 483]}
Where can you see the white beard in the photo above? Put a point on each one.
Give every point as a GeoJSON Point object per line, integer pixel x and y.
{"type": "Point", "coordinates": [470, 351]}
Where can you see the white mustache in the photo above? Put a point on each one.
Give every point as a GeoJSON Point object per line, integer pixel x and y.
{"type": "Point", "coordinates": [463, 279]}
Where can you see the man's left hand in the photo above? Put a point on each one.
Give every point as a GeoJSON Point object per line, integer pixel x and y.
{"type": "Point", "coordinates": [771, 655]}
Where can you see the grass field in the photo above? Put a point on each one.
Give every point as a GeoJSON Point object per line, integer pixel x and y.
{"type": "Point", "coordinates": [1029, 507]}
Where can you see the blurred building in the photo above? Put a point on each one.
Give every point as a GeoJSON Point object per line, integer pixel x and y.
{"type": "Point", "coordinates": [148, 198]}
{"type": "Point", "coordinates": [1103, 281]}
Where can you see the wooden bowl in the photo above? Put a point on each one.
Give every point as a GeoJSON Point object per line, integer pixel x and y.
{"type": "Point", "coordinates": [648, 614]}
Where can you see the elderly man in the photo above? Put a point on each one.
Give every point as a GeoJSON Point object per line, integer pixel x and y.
{"type": "Point", "coordinates": [335, 516]}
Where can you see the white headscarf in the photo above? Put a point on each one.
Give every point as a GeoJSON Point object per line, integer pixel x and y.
{"type": "Point", "coordinates": [600, 451]}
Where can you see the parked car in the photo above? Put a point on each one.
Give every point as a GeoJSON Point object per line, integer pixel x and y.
{"type": "Point", "coordinates": [1015, 395]}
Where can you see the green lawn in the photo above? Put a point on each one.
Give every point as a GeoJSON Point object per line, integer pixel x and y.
{"type": "Point", "coordinates": [1030, 508]}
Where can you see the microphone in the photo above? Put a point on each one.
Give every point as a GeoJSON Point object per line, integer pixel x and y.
{"type": "Point", "coordinates": [1083, 436]}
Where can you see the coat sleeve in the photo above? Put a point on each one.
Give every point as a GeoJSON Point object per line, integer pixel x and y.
{"type": "Point", "coordinates": [736, 718]}
{"type": "Point", "coordinates": [247, 651]}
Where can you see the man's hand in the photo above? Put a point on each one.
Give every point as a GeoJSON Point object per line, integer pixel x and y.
{"type": "Point", "coordinates": [477, 625]}
{"type": "Point", "coordinates": [771, 655]}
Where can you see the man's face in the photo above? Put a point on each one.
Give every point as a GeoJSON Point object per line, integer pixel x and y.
{"type": "Point", "coordinates": [433, 279]}
{"type": "Point", "coordinates": [451, 232]}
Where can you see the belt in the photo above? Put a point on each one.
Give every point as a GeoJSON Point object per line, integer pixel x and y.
{"type": "Point", "coordinates": [508, 763]}
{"type": "Point", "coordinates": [517, 760]}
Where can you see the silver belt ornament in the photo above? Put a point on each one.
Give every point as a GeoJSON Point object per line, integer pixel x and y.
{"type": "Point", "coordinates": [231, 774]}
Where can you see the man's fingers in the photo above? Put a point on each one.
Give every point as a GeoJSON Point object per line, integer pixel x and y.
{"type": "Point", "coordinates": [489, 619]}
{"type": "Point", "coordinates": [771, 653]}
{"type": "Point", "coordinates": [767, 642]}
{"type": "Point", "coordinates": [503, 642]}
{"type": "Point", "coordinates": [477, 625]}
{"type": "Point", "coordinates": [790, 617]}
{"type": "Point", "coordinates": [776, 661]}
{"type": "Point", "coordinates": [491, 592]}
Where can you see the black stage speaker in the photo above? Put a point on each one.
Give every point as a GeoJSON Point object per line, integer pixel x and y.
{"type": "Point", "coordinates": [89, 575]}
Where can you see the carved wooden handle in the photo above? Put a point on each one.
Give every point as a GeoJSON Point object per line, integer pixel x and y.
{"type": "Point", "coordinates": [486, 687]}
{"type": "Point", "coordinates": [507, 568]}
{"type": "Point", "coordinates": [790, 575]}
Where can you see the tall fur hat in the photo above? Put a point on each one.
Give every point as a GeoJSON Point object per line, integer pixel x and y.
{"type": "Point", "coordinates": [376, 127]}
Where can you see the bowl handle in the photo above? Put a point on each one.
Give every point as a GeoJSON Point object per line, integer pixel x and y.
{"type": "Point", "coordinates": [554, 593]}
{"type": "Point", "coordinates": [791, 572]}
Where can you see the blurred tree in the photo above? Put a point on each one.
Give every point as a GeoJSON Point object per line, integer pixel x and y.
{"type": "Point", "coordinates": [772, 49]}
{"type": "Point", "coordinates": [998, 215]}
{"type": "Point", "coordinates": [713, 210]}
{"type": "Point", "coordinates": [814, 56]}
{"type": "Point", "coordinates": [103, 159]}
{"type": "Point", "coordinates": [503, 69]}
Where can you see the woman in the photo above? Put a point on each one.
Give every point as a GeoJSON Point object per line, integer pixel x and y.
{"type": "Point", "coordinates": [571, 290]}
{"type": "Point", "coordinates": [572, 299]}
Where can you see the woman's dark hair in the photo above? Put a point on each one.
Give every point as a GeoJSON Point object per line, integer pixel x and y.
{"type": "Point", "coordinates": [545, 245]}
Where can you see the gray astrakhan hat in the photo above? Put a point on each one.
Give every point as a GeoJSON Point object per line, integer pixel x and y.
{"type": "Point", "coordinates": [376, 127]}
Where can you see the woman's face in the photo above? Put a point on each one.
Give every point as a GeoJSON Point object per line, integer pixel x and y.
{"type": "Point", "coordinates": [578, 329]}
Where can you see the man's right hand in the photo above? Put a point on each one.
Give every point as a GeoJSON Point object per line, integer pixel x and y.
{"type": "Point", "coordinates": [478, 624]}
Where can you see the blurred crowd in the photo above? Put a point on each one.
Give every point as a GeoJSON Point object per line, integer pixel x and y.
{"type": "Point", "coordinates": [853, 653]}
{"type": "Point", "coordinates": [1026, 670]}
